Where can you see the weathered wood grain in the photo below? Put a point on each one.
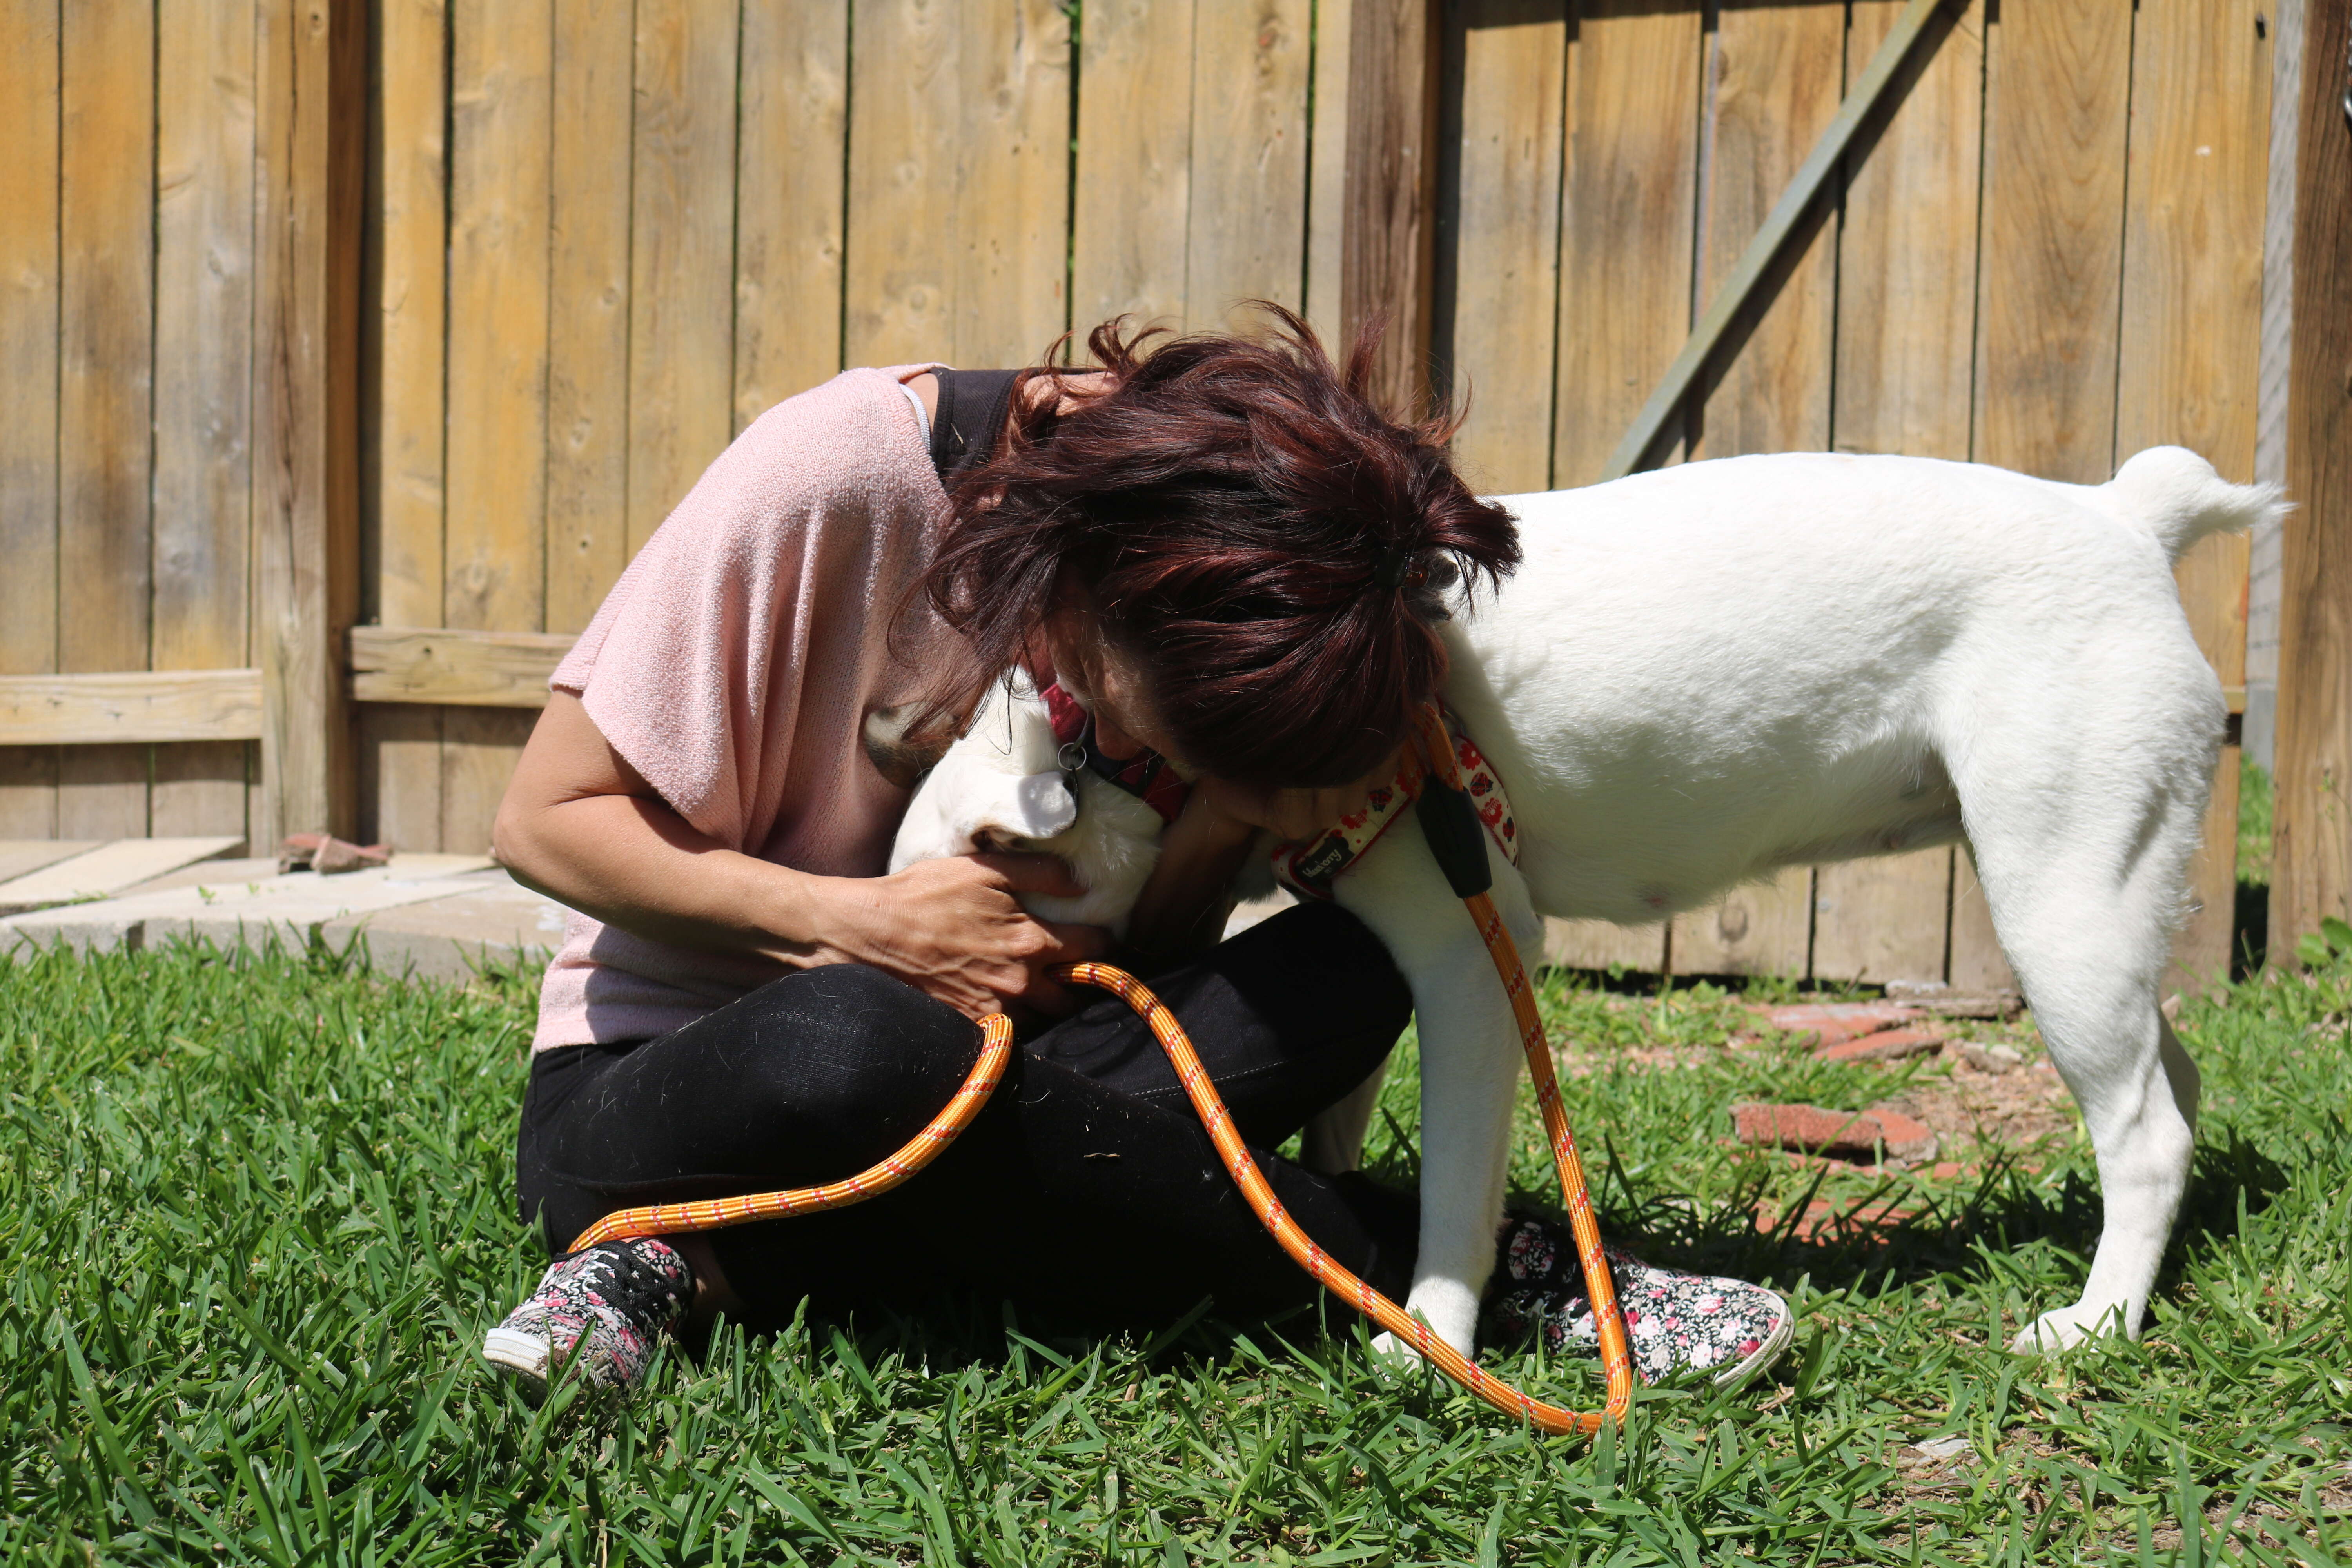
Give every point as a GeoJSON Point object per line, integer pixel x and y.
{"type": "Point", "coordinates": [1506, 246]}
{"type": "Point", "coordinates": [1906, 329]}
{"type": "Point", "coordinates": [434, 665]}
{"type": "Point", "coordinates": [1882, 919]}
{"type": "Point", "coordinates": [1328, 166]}
{"type": "Point", "coordinates": [399, 754]}
{"type": "Point", "coordinates": [105, 383]}
{"type": "Point", "coordinates": [588, 310]}
{"type": "Point", "coordinates": [2057, 90]}
{"type": "Point", "coordinates": [478, 749]}
{"type": "Point", "coordinates": [2190, 355]}
{"type": "Point", "coordinates": [134, 707]}
{"type": "Point", "coordinates": [789, 195]}
{"type": "Point", "coordinates": [682, 254]}
{"type": "Point", "coordinates": [1626, 228]}
{"type": "Point", "coordinates": [495, 570]}
{"type": "Point", "coordinates": [1777, 80]}
{"type": "Point", "coordinates": [1757, 928]}
{"type": "Point", "coordinates": [1247, 237]}
{"type": "Point", "coordinates": [1388, 234]}
{"type": "Point", "coordinates": [28, 390]}
{"type": "Point", "coordinates": [1597, 944]}
{"type": "Point", "coordinates": [2312, 852]}
{"type": "Point", "coordinates": [1128, 247]}
{"type": "Point", "coordinates": [959, 181]}
{"type": "Point", "coordinates": [311, 56]}
{"type": "Point", "coordinates": [204, 383]}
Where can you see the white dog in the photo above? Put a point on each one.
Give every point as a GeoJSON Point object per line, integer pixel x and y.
{"type": "Point", "coordinates": [1707, 673]}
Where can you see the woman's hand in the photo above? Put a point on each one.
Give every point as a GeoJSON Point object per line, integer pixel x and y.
{"type": "Point", "coordinates": [955, 929]}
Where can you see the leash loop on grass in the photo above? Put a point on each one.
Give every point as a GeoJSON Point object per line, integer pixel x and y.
{"type": "Point", "coordinates": [996, 1045]}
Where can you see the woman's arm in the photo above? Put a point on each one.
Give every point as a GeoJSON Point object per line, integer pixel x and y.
{"type": "Point", "coordinates": [581, 825]}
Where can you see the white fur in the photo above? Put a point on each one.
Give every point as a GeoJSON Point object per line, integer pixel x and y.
{"type": "Point", "coordinates": [1704, 674]}
{"type": "Point", "coordinates": [999, 788]}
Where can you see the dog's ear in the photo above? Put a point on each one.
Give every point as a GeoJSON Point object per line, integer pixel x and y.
{"type": "Point", "coordinates": [999, 808]}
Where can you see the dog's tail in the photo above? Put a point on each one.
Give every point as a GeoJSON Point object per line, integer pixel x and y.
{"type": "Point", "coordinates": [2176, 496]}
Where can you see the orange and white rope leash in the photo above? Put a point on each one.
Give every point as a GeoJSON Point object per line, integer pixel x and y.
{"type": "Point", "coordinates": [996, 1043]}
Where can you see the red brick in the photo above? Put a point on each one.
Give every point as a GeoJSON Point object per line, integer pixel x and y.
{"type": "Point", "coordinates": [1817, 1130]}
{"type": "Point", "coordinates": [1885, 1046]}
{"type": "Point", "coordinates": [1829, 1023]}
{"type": "Point", "coordinates": [1905, 1136]}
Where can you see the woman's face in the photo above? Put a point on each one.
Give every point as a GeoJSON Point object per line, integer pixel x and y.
{"type": "Point", "coordinates": [1109, 685]}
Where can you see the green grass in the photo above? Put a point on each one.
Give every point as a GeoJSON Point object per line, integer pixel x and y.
{"type": "Point", "coordinates": [2254, 823]}
{"type": "Point", "coordinates": [255, 1215]}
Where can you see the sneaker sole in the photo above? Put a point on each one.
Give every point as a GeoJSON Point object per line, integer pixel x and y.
{"type": "Point", "coordinates": [1775, 1344]}
{"type": "Point", "coordinates": [521, 1356]}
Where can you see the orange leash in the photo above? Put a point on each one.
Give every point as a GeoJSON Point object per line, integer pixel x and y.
{"type": "Point", "coordinates": [996, 1042]}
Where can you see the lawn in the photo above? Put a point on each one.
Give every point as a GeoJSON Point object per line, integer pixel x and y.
{"type": "Point", "coordinates": [256, 1216]}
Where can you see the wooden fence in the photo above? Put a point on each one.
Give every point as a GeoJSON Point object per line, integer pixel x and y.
{"type": "Point", "coordinates": [595, 238]}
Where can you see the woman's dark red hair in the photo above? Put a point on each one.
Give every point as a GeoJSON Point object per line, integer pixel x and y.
{"type": "Point", "coordinates": [1266, 545]}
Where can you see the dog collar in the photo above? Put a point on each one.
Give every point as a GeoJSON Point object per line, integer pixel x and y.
{"type": "Point", "coordinates": [1147, 776]}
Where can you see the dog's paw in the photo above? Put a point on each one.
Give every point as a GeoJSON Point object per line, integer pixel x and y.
{"type": "Point", "coordinates": [2064, 1328]}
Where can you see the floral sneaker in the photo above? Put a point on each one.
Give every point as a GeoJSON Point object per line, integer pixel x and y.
{"type": "Point", "coordinates": [600, 1311]}
{"type": "Point", "coordinates": [1673, 1321]}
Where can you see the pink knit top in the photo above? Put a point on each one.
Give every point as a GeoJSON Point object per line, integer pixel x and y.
{"type": "Point", "coordinates": [733, 666]}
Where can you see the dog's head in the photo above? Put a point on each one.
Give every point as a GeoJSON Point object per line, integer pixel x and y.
{"type": "Point", "coordinates": [997, 785]}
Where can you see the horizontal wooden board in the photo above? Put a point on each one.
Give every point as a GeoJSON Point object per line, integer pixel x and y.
{"type": "Point", "coordinates": [454, 669]}
{"type": "Point", "coordinates": [131, 707]}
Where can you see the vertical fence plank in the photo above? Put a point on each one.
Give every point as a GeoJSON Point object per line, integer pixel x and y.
{"type": "Point", "coordinates": [1505, 243]}
{"type": "Point", "coordinates": [1777, 79]}
{"type": "Point", "coordinates": [1246, 238]}
{"type": "Point", "coordinates": [203, 375]}
{"type": "Point", "coordinates": [106, 386]}
{"type": "Point", "coordinates": [2057, 87]}
{"type": "Point", "coordinates": [2312, 880]}
{"type": "Point", "coordinates": [959, 181]}
{"type": "Point", "coordinates": [1012, 217]}
{"type": "Point", "coordinates": [2058, 76]}
{"type": "Point", "coordinates": [310, 62]}
{"type": "Point", "coordinates": [1597, 944]}
{"type": "Point", "coordinates": [1328, 167]}
{"type": "Point", "coordinates": [1388, 239]}
{"type": "Point", "coordinates": [1135, 163]}
{"type": "Point", "coordinates": [499, 256]}
{"type": "Point", "coordinates": [28, 392]}
{"type": "Point", "coordinates": [494, 573]}
{"type": "Point", "coordinates": [788, 196]}
{"type": "Point", "coordinates": [588, 308]}
{"type": "Point", "coordinates": [2191, 368]}
{"type": "Point", "coordinates": [681, 243]}
{"type": "Point", "coordinates": [904, 117]}
{"type": "Point", "coordinates": [400, 746]}
{"type": "Point", "coordinates": [1906, 321]}
{"type": "Point", "coordinates": [1625, 232]}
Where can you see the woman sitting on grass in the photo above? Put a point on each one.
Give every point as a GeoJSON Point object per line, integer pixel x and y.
{"type": "Point", "coordinates": [1188, 542]}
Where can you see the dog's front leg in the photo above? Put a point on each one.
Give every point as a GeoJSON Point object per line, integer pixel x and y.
{"type": "Point", "coordinates": [1469, 1063]}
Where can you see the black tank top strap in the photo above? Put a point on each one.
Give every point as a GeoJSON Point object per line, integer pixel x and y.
{"type": "Point", "coordinates": [969, 423]}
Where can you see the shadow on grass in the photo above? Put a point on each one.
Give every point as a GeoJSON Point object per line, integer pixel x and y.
{"type": "Point", "coordinates": [1936, 1234]}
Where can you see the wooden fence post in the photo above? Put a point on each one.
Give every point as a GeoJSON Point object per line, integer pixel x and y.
{"type": "Point", "coordinates": [2312, 875]}
{"type": "Point", "coordinates": [311, 68]}
{"type": "Point", "coordinates": [1387, 245]}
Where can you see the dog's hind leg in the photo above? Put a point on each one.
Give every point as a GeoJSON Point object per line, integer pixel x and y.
{"type": "Point", "coordinates": [1333, 1141]}
{"type": "Point", "coordinates": [2085, 902]}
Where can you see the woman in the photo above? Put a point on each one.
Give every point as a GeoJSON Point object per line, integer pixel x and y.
{"type": "Point", "coordinates": [1230, 558]}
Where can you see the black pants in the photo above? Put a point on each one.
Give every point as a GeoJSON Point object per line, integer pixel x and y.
{"type": "Point", "coordinates": [1088, 1186]}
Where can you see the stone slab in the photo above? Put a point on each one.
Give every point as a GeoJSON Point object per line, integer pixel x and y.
{"type": "Point", "coordinates": [1884, 1046]}
{"type": "Point", "coordinates": [107, 870]}
{"type": "Point", "coordinates": [19, 855]}
{"type": "Point", "coordinates": [502, 923]}
{"type": "Point", "coordinates": [243, 909]}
